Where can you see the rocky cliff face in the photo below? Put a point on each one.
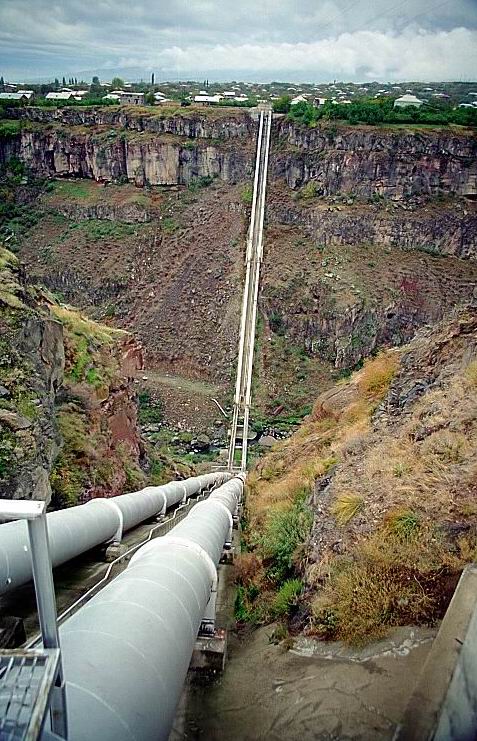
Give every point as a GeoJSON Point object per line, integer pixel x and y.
{"type": "Point", "coordinates": [32, 362]}
{"type": "Point", "coordinates": [190, 123]}
{"type": "Point", "coordinates": [341, 304]}
{"type": "Point", "coordinates": [146, 148]}
{"type": "Point", "coordinates": [444, 227]}
{"type": "Point", "coordinates": [144, 159]}
{"type": "Point", "coordinates": [68, 427]}
{"type": "Point", "coordinates": [367, 236]}
{"type": "Point", "coordinates": [368, 160]}
{"type": "Point", "coordinates": [163, 148]}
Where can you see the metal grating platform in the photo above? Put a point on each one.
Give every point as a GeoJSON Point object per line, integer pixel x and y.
{"type": "Point", "coordinates": [26, 681]}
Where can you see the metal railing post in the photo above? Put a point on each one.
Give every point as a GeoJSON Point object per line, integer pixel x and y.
{"type": "Point", "coordinates": [34, 512]}
{"type": "Point", "coordinates": [46, 602]}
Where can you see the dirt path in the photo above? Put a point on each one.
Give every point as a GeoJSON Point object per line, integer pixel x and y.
{"type": "Point", "coordinates": [187, 402]}
{"type": "Point", "coordinates": [200, 388]}
{"type": "Point", "coordinates": [323, 692]}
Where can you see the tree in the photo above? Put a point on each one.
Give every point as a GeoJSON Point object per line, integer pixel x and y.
{"type": "Point", "coordinates": [57, 83]}
{"type": "Point", "coordinates": [152, 79]}
{"type": "Point", "coordinates": [2, 85]}
{"type": "Point", "coordinates": [64, 81]}
{"type": "Point", "coordinates": [282, 105]}
{"type": "Point", "coordinates": [117, 83]}
{"type": "Point", "coordinates": [95, 87]}
{"type": "Point", "coordinates": [149, 99]}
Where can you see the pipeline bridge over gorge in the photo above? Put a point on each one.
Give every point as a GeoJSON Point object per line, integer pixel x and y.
{"type": "Point", "coordinates": [114, 664]}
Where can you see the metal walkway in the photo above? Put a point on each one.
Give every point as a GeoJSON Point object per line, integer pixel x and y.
{"type": "Point", "coordinates": [254, 253]}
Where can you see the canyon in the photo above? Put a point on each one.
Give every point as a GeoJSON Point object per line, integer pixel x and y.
{"type": "Point", "coordinates": [365, 352]}
{"type": "Point", "coordinates": [371, 233]}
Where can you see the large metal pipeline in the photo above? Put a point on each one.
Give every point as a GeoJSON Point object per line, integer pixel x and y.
{"type": "Point", "coordinates": [77, 529]}
{"type": "Point", "coordinates": [126, 653]}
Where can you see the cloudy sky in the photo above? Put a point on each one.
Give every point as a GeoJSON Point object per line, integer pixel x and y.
{"type": "Point", "coordinates": [302, 40]}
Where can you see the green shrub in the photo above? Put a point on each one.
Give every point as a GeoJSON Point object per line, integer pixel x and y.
{"type": "Point", "coordinates": [277, 323]}
{"type": "Point", "coordinates": [246, 610]}
{"type": "Point", "coordinates": [284, 532]}
{"type": "Point", "coordinates": [282, 105]}
{"type": "Point", "coordinates": [309, 191]}
{"type": "Point", "coordinates": [377, 112]}
{"type": "Point", "coordinates": [169, 225]}
{"type": "Point", "coordinates": [286, 597]}
{"type": "Point", "coordinates": [7, 454]}
{"type": "Point", "coordinates": [403, 523]}
{"type": "Point", "coordinates": [67, 482]}
{"type": "Point", "coordinates": [247, 195]}
{"type": "Point", "coordinates": [9, 128]}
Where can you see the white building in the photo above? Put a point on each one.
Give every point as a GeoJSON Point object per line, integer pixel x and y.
{"type": "Point", "coordinates": [207, 99]}
{"type": "Point", "coordinates": [407, 100]}
{"type": "Point", "coordinates": [13, 96]}
{"type": "Point", "coordinates": [59, 96]}
{"type": "Point", "coordinates": [298, 99]}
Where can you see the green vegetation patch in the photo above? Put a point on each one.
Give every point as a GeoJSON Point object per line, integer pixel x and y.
{"type": "Point", "coordinates": [72, 189]}
{"type": "Point", "coordinates": [98, 230]}
{"type": "Point", "coordinates": [150, 410]}
{"type": "Point", "coordinates": [380, 111]}
{"type": "Point", "coordinates": [283, 533]}
{"type": "Point", "coordinates": [8, 444]}
{"type": "Point", "coordinates": [9, 128]}
{"type": "Point", "coordinates": [89, 355]}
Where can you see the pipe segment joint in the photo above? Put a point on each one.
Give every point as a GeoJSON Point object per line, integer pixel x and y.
{"type": "Point", "coordinates": [118, 535]}
{"type": "Point", "coordinates": [199, 551]}
{"type": "Point", "coordinates": [228, 541]}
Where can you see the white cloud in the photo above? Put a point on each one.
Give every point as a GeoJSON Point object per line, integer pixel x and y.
{"type": "Point", "coordinates": [416, 39]}
{"type": "Point", "coordinates": [416, 55]}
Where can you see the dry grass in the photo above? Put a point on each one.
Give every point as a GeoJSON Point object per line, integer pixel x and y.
{"type": "Point", "coordinates": [445, 446]}
{"type": "Point", "coordinates": [470, 373]}
{"type": "Point", "coordinates": [346, 506]}
{"type": "Point", "coordinates": [377, 374]}
{"type": "Point", "coordinates": [413, 476]}
{"type": "Point", "coordinates": [293, 466]}
{"type": "Point", "coordinates": [10, 288]}
{"type": "Point", "coordinates": [389, 580]}
{"type": "Point", "coordinates": [84, 327]}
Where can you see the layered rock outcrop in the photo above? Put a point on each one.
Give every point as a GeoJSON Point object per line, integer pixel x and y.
{"type": "Point", "coordinates": [68, 414]}
{"type": "Point", "coordinates": [438, 228]}
{"type": "Point", "coordinates": [154, 148]}
{"type": "Point", "coordinates": [368, 160]}
{"type": "Point", "coordinates": [144, 159]}
{"type": "Point", "coordinates": [184, 122]}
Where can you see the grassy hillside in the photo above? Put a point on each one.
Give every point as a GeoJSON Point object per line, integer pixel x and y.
{"type": "Point", "coordinates": [366, 516]}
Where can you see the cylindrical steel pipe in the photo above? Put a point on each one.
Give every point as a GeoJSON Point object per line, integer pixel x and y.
{"type": "Point", "coordinates": [78, 529]}
{"type": "Point", "coordinates": [127, 652]}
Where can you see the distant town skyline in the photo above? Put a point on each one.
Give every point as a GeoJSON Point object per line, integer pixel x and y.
{"type": "Point", "coordinates": [263, 40]}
